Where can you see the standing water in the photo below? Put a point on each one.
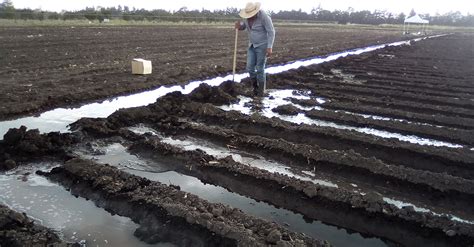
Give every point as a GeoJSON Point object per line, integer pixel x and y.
{"type": "Point", "coordinates": [118, 156]}
{"type": "Point", "coordinates": [74, 219]}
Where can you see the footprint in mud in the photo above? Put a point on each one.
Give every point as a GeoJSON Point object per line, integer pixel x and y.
{"type": "Point", "coordinates": [256, 105]}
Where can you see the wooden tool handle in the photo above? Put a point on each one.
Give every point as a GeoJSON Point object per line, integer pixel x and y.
{"type": "Point", "coordinates": [235, 54]}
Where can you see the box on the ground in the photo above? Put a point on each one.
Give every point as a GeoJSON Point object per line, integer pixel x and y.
{"type": "Point", "coordinates": [141, 66]}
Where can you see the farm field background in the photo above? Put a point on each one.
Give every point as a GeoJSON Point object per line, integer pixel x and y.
{"type": "Point", "coordinates": [47, 67]}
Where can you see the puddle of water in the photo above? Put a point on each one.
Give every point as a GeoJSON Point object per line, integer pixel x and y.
{"type": "Point", "coordinates": [278, 98]}
{"type": "Point", "coordinates": [117, 155]}
{"type": "Point", "coordinates": [191, 144]}
{"type": "Point", "coordinates": [240, 106]}
{"type": "Point", "coordinates": [400, 204]}
{"type": "Point", "coordinates": [346, 77]}
{"type": "Point", "coordinates": [75, 219]}
{"type": "Point", "coordinates": [60, 118]}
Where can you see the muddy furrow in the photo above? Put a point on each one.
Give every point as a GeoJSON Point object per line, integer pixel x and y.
{"type": "Point", "coordinates": [399, 95]}
{"type": "Point", "coordinates": [375, 80]}
{"type": "Point", "coordinates": [391, 103]}
{"type": "Point", "coordinates": [166, 213]}
{"type": "Point", "coordinates": [21, 145]}
{"type": "Point", "coordinates": [387, 102]}
{"type": "Point", "coordinates": [398, 180]}
{"type": "Point", "coordinates": [219, 171]}
{"type": "Point", "coordinates": [370, 85]}
{"type": "Point", "coordinates": [352, 88]}
{"type": "Point", "coordinates": [454, 122]}
{"type": "Point", "coordinates": [445, 191]}
{"type": "Point", "coordinates": [413, 76]}
{"type": "Point", "coordinates": [317, 112]}
{"type": "Point", "coordinates": [407, 128]}
{"type": "Point", "coordinates": [457, 162]}
{"type": "Point", "coordinates": [413, 65]}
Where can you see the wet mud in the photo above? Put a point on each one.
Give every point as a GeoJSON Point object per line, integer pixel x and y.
{"type": "Point", "coordinates": [22, 145]}
{"type": "Point", "coordinates": [357, 143]}
{"type": "Point", "coordinates": [17, 229]}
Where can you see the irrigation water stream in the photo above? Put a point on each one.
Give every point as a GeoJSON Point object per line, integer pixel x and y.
{"type": "Point", "coordinates": [59, 119]}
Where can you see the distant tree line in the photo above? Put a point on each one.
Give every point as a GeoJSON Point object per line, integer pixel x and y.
{"type": "Point", "coordinates": [8, 11]}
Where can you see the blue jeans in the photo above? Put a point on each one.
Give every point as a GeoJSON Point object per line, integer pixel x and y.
{"type": "Point", "coordinates": [256, 59]}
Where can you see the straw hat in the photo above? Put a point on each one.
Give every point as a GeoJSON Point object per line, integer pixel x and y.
{"type": "Point", "coordinates": [250, 10]}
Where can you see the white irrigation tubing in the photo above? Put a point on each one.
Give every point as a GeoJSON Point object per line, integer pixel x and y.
{"type": "Point", "coordinates": [59, 119]}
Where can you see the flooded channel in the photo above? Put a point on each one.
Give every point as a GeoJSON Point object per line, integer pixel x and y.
{"type": "Point", "coordinates": [117, 155]}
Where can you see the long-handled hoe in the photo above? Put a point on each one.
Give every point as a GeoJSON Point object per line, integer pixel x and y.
{"type": "Point", "coordinates": [235, 54]}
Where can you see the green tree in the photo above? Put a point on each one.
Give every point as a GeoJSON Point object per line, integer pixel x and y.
{"type": "Point", "coordinates": [401, 18]}
{"type": "Point", "coordinates": [90, 14]}
{"type": "Point", "coordinates": [54, 16]}
{"type": "Point", "coordinates": [7, 10]}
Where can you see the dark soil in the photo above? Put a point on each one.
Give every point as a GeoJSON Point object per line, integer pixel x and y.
{"type": "Point", "coordinates": [369, 170]}
{"type": "Point", "coordinates": [47, 67]}
{"type": "Point", "coordinates": [287, 110]}
{"type": "Point", "coordinates": [22, 145]}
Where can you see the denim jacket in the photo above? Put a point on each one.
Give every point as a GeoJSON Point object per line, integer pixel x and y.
{"type": "Point", "coordinates": [262, 31]}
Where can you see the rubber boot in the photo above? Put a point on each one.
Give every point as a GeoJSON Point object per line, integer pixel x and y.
{"type": "Point", "coordinates": [255, 87]}
{"type": "Point", "coordinates": [260, 88]}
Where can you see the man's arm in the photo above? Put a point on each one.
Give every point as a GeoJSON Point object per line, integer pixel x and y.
{"type": "Point", "coordinates": [270, 33]}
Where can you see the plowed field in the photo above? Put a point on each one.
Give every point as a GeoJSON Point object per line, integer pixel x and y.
{"type": "Point", "coordinates": [46, 67]}
{"type": "Point", "coordinates": [367, 150]}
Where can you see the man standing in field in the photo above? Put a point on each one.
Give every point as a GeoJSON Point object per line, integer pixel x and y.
{"type": "Point", "coordinates": [261, 36]}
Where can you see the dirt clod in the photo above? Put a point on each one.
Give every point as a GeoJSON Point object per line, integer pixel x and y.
{"type": "Point", "coordinates": [287, 110]}
{"type": "Point", "coordinates": [273, 237]}
{"type": "Point", "coordinates": [16, 229]}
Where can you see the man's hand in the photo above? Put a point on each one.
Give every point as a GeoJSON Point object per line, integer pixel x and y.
{"type": "Point", "coordinates": [269, 52]}
{"type": "Point", "coordinates": [237, 25]}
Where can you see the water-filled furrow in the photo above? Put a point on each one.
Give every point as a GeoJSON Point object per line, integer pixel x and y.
{"type": "Point", "coordinates": [239, 156]}
{"type": "Point", "coordinates": [75, 219]}
{"type": "Point", "coordinates": [117, 155]}
{"type": "Point", "coordinates": [254, 160]}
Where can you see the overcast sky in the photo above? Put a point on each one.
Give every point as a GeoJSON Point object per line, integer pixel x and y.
{"type": "Point", "coordinates": [395, 6]}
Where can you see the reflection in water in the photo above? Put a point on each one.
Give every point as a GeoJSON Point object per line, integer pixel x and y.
{"type": "Point", "coordinates": [75, 219]}
{"type": "Point", "coordinates": [59, 119]}
{"type": "Point", "coordinates": [191, 144]}
{"type": "Point", "coordinates": [117, 155]}
{"type": "Point", "coordinates": [400, 204]}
